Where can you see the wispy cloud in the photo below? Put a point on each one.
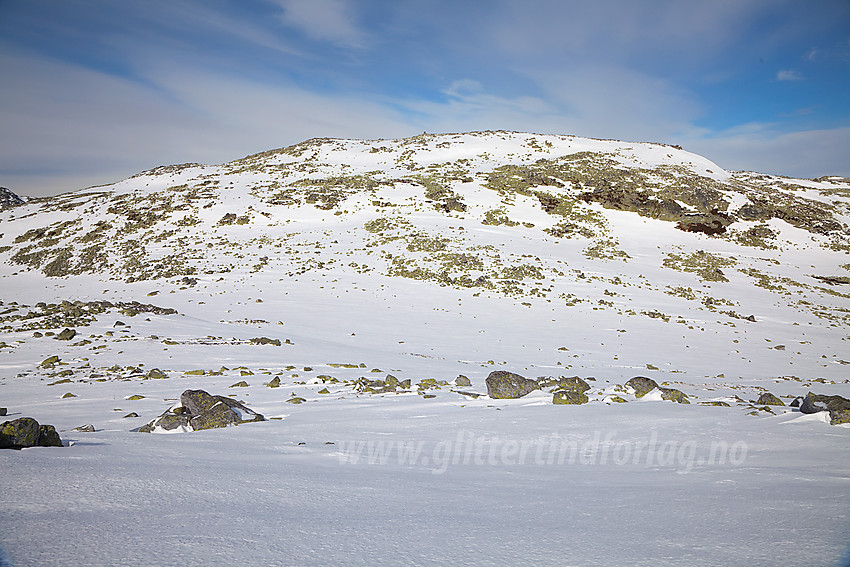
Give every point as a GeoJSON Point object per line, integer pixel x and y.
{"type": "Point", "coordinates": [788, 75]}
{"type": "Point", "coordinates": [326, 20]}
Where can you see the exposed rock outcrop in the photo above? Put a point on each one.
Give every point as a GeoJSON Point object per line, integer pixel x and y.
{"type": "Point", "coordinates": [200, 410]}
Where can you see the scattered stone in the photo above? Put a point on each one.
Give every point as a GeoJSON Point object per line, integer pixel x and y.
{"type": "Point", "coordinates": [274, 383]}
{"type": "Point", "coordinates": [462, 382]}
{"type": "Point", "coordinates": [768, 399]}
{"type": "Point", "coordinates": [642, 385]}
{"type": "Point", "coordinates": [617, 399]}
{"type": "Point", "coordinates": [131, 414]}
{"type": "Point", "coordinates": [240, 384]}
{"type": "Point", "coordinates": [797, 401]}
{"type": "Point", "coordinates": [50, 361]}
{"type": "Point", "coordinates": [507, 385]}
{"type": "Point", "coordinates": [135, 397]}
{"type": "Point", "coordinates": [569, 397]}
{"type": "Point", "coordinates": [156, 374]}
{"type": "Point", "coordinates": [324, 391]}
{"type": "Point", "coordinates": [296, 400]}
{"type": "Point", "coordinates": [66, 335]}
{"type": "Point", "coordinates": [199, 410]}
{"type": "Point", "coordinates": [674, 395]}
{"type": "Point", "coordinates": [87, 428]}
{"type": "Point", "coordinates": [265, 341]}
{"type": "Point", "coordinates": [69, 395]}
{"type": "Point", "coordinates": [3, 411]}
{"type": "Point", "coordinates": [26, 432]}
{"type": "Point", "coordinates": [715, 403]}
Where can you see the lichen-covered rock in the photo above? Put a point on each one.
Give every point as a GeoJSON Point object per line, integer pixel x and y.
{"type": "Point", "coordinates": [200, 410]}
{"type": "Point", "coordinates": [839, 416]}
{"type": "Point", "coordinates": [573, 384]}
{"type": "Point", "coordinates": [462, 381]}
{"type": "Point", "coordinates": [274, 382]}
{"type": "Point", "coordinates": [674, 395]}
{"type": "Point", "coordinates": [67, 335]}
{"type": "Point", "coordinates": [156, 374]}
{"type": "Point", "coordinates": [507, 385]}
{"type": "Point", "coordinates": [642, 385]}
{"type": "Point", "coordinates": [814, 403]}
{"type": "Point", "coordinates": [26, 432]}
{"type": "Point", "coordinates": [569, 397]}
{"type": "Point", "coordinates": [87, 428]}
{"type": "Point", "coordinates": [768, 399]}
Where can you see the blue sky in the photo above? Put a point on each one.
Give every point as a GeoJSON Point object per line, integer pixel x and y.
{"type": "Point", "coordinates": [95, 91]}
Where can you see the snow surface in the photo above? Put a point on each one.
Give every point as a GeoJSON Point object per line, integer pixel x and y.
{"type": "Point", "coordinates": [347, 478]}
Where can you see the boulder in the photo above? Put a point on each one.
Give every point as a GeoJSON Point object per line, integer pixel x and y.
{"type": "Point", "coordinates": [642, 385]}
{"type": "Point", "coordinates": [674, 395]}
{"type": "Point", "coordinates": [814, 403]}
{"type": "Point", "coordinates": [768, 399]}
{"type": "Point", "coordinates": [3, 411]}
{"type": "Point", "coordinates": [200, 410]}
{"type": "Point", "coordinates": [462, 382]}
{"type": "Point", "coordinates": [26, 432]}
{"type": "Point", "coordinates": [569, 397]}
{"type": "Point", "coordinates": [67, 335]}
{"type": "Point", "coordinates": [507, 385]}
{"type": "Point", "coordinates": [573, 384]}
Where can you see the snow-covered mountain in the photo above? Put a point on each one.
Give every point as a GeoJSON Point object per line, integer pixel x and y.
{"type": "Point", "coordinates": [331, 265]}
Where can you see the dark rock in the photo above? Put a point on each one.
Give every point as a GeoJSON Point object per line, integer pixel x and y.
{"type": "Point", "coordinates": [814, 403]}
{"type": "Point", "coordinates": [768, 399]}
{"type": "Point", "coordinates": [26, 432]}
{"type": "Point", "coordinates": [199, 410]}
{"type": "Point", "coordinates": [507, 385]}
{"type": "Point", "coordinates": [9, 199]}
{"type": "Point", "coordinates": [274, 382]}
{"type": "Point", "coordinates": [3, 411]}
{"type": "Point", "coordinates": [462, 382]}
{"type": "Point", "coordinates": [67, 335]}
{"type": "Point", "coordinates": [796, 403]}
{"type": "Point", "coordinates": [642, 385]}
{"type": "Point", "coordinates": [48, 436]}
{"type": "Point", "coordinates": [674, 395]}
{"type": "Point", "coordinates": [569, 397]}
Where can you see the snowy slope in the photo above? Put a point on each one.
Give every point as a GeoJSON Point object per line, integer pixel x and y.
{"type": "Point", "coordinates": [422, 258]}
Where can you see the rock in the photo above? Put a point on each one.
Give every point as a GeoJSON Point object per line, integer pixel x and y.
{"type": "Point", "coordinates": [69, 395]}
{"type": "Point", "coordinates": [9, 199]}
{"type": "Point", "coordinates": [26, 432]}
{"type": "Point", "coordinates": [240, 384]}
{"type": "Point", "coordinates": [715, 403]}
{"type": "Point", "coordinates": [50, 361]}
{"type": "Point", "coordinates": [507, 385]}
{"type": "Point", "coordinates": [796, 403]}
{"type": "Point", "coordinates": [814, 403]}
{"type": "Point", "coordinates": [618, 400]}
{"type": "Point", "coordinates": [768, 399]}
{"type": "Point", "coordinates": [839, 416]}
{"type": "Point", "coordinates": [156, 374]}
{"type": "Point", "coordinates": [573, 384]}
{"type": "Point", "coordinates": [3, 411]}
{"type": "Point", "coordinates": [274, 382]}
{"type": "Point", "coordinates": [131, 414]}
{"type": "Point", "coordinates": [296, 400]}
{"type": "Point", "coordinates": [200, 410]}
{"type": "Point", "coordinates": [674, 395]}
{"type": "Point", "coordinates": [66, 335]}
{"type": "Point", "coordinates": [391, 381]}
{"type": "Point", "coordinates": [569, 397]}
{"type": "Point", "coordinates": [462, 382]}
{"type": "Point", "coordinates": [87, 428]}
{"type": "Point", "coordinates": [642, 385]}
